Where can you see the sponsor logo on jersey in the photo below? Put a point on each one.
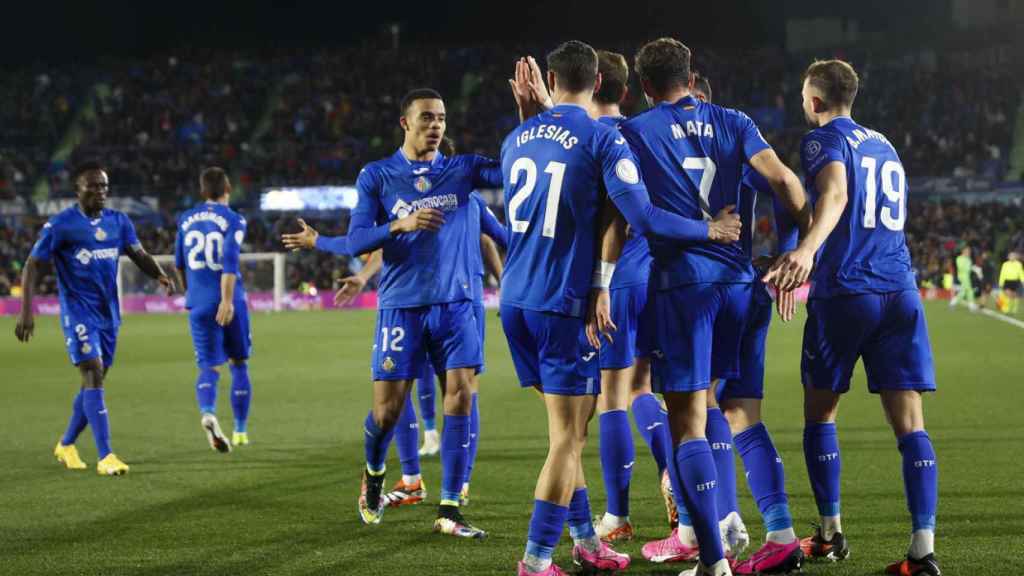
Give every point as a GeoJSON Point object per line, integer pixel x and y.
{"type": "Point", "coordinates": [85, 256]}
{"type": "Point", "coordinates": [101, 234]}
{"type": "Point", "coordinates": [444, 202]}
{"type": "Point", "coordinates": [388, 364]}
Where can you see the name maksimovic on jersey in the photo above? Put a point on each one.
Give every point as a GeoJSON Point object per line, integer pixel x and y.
{"type": "Point", "coordinates": [217, 219]}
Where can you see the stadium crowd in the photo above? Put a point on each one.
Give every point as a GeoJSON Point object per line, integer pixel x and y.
{"type": "Point", "coordinates": [301, 119]}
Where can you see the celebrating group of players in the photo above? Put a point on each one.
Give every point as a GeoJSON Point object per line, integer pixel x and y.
{"type": "Point", "coordinates": [628, 272]}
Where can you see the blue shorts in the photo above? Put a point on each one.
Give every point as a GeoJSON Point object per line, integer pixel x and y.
{"type": "Point", "coordinates": [887, 330]}
{"type": "Point", "coordinates": [750, 383]}
{"type": "Point", "coordinates": [627, 306]}
{"type": "Point", "coordinates": [445, 335]}
{"type": "Point", "coordinates": [551, 350]}
{"type": "Point", "coordinates": [698, 335]}
{"type": "Point", "coordinates": [85, 341]}
{"type": "Point", "coordinates": [481, 329]}
{"type": "Point", "coordinates": [215, 344]}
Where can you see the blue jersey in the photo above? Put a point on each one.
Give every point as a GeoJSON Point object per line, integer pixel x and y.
{"type": "Point", "coordinates": [482, 220]}
{"type": "Point", "coordinates": [555, 165]}
{"type": "Point", "coordinates": [752, 185]}
{"type": "Point", "coordinates": [634, 265]}
{"type": "Point", "coordinates": [208, 243]}
{"type": "Point", "coordinates": [85, 252]}
{"type": "Point", "coordinates": [867, 251]}
{"type": "Point", "coordinates": [421, 268]}
{"type": "Point", "coordinates": [691, 155]}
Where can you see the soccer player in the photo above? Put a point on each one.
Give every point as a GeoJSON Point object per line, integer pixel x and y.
{"type": "Point", "coordinates": [415, 205]}
{"type": "Point", "coordinates": [1011, 277]}
{"type": "Point", "coordinates": [863, 304]}
{"type": "Point", "coordinates": [206, 254]}
{"type": "Point", "coordinates": [85, 243]}
{"type": "Point", "coordinates": [692, 155]}
{"type": "Point", "coordinates": [965, 293]}
{"type": "Point", "coordinates": [625, 369]}
{"type": "Point", "coordinates": [554, 166]}
{"type": "Point", "coordinates": [734, 406]}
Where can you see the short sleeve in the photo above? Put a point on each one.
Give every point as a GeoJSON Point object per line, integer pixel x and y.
{"type": "Point", "coordinates": [620, 172]}
{"type": "Point", "coordinates": [486, 172]}
{"type": "Point", "coordinates": [47, 243]}
{"type": "Point", "coordinates": [819, 148]}
{"type": "Point", "coordinates": [750, 137]}
{"type": "Point", "coordinates": [233, 246]}
{"type": "Point", "coordinates": [128, 236]}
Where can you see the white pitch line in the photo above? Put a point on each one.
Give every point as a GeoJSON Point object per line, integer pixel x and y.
{"type": "Point", "coordinates": [1002, 317]}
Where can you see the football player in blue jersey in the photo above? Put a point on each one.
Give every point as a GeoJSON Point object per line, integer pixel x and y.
{"type": "Point", "coordinates": [625, 367]}
{"type": "Point", "coordinates": [863, 303]}
{"type": "Point", "coordinates": [206, 254]}
{"type": "Point", "coordinates": [692, 155]}
{"type": "Point", "coordinates": [85, 243]}
{"type": "Point", "coordinates": [558, 168]}
{"type": "Point", "coordinates": [415, 205]}
{"type": "Point", "coordinates": [738, 401]}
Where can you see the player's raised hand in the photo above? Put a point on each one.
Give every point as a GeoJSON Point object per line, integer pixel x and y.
{"type": "Point", "coordinates": [726, 226]}
{"type": "Point", "coordinates": [599, 317]}
{"type": "Point", "coordinates": [791, 270]}
{"type": "Point", "coordinates": [225, 312]}
{"type": "Point", "coordinates": [520, 84]}
{"type": "Point", "coordinates": [25, 327]}
{"type": "Point", "coordinates": [538, 88]}
{"type": "Point", "coordinates": [785, 304]}
{"type": "Point", "coordinates": [423, 219]}
{"type": "Point", "coordinates": [304, 239]}
{"type": "Point", "coordinates": [168, 284]}
{"type": "Point", "coordinates": [351, 286]}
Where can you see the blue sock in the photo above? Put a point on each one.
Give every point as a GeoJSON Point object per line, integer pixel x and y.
{"type": "Point", "coordinates": [241, 395]}
{"type": "Point", "coordinates": [474, 437]}
{"type": "Point", "coordinates": [407, 436]}
{"type": "Point", "coordinates": [920, 478]}
{"type": "Point", "coordinates": [376, 442]}
{"type": "Point", "coordinates": [677, 491]}
{"type": "Point", "coordinates": [206, 390]}
{"type": "Point", "coordinates": [720, 438]}
{"type": "Point", "coordinates": [581, 525]}
{"type": "Point", "coordinates": [617, 456]}
{"type": "Point", "coordinates": [821, 452]}
{"type": "Point", "coordinates": [77, 423]}
{"type": "Point", "coordinates": [546, 526]}
{"type": "Point", "coordinates": [765, 475]}
{"type": "Point", "coordinates": [425, 394]}
{"type": "Point", "coordinates": [652, 424]}
{"type": "Point", "coordinates": [695, 467]}
{"type": "Point", "coordinates": [454, 454]}
{"type": "Point", "coordinates": [96, 411]}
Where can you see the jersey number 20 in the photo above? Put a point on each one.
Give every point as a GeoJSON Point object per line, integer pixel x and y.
{"type": "Point", "coordinates": [894, 189]}
{"type": "Point", "coordinates": [204, 249]}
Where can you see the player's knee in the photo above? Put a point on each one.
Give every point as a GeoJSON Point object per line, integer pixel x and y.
{"type": "Point", "coordinates": [237, 362]}
{"type": "Point", "coordinates": [92, 372]}
{"type": "Point", "coordinates": [386, 416]}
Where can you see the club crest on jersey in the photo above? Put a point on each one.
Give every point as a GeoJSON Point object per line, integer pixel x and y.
{"type": "Point", "coordinates": [812, 148]}
{"type": "Point", "coordinates": [388, 364]}
{"type": "Point", "coordinates": [101, 234]}
{"type": "Point", "coordinates": [422, 184]}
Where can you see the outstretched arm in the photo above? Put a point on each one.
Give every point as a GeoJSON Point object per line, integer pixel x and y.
{"type": "Point", "coordinates": [785, 185]}
{"type": "Point", "coordinates": [351, 286]}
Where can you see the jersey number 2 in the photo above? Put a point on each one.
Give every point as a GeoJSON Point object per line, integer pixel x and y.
{"type": "Point", "coordinates": [557, 172]}
{"type": "Point", "coordinates": [894, 189]}
{"type": "Point", "coordinates": [204, 249]}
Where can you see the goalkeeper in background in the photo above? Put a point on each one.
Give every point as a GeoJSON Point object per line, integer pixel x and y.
{"type": "Point", "coordinates": [965, 293]}
{"type": "Point", "coordinates": [1011, 276]}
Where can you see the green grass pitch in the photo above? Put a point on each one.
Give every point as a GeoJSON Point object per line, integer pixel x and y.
{"type": "Point", "coordinates": [287, 503]}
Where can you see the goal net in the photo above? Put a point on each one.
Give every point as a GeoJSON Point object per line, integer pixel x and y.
{"type": "Point", "coordinates": [263, 274]}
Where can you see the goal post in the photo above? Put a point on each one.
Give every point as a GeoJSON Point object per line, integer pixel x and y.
{"type": "Point", "coordinates": [263, 274]}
